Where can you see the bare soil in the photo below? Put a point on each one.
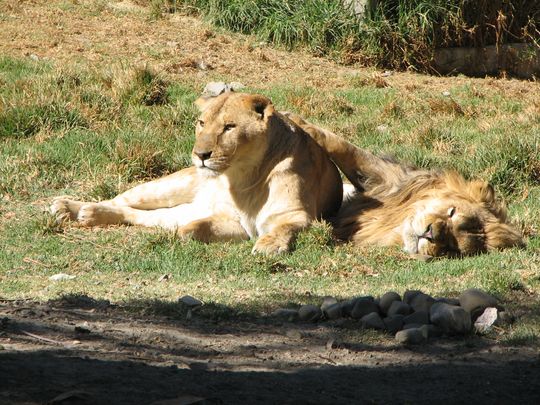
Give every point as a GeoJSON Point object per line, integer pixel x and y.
{"type": "Point", "coordinates": [81, 351]}
{"type": "Point", "coordinates": [86, 352]}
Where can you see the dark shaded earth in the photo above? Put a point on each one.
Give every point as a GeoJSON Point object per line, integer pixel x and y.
{"type": "Point", "coordinates": [81, 351]}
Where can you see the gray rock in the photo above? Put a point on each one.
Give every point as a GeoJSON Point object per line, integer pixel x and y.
{"type": "Point", "coordinates": [214, 89]}
{"type": "Point", "coordinates": [348, 306]}
{"type": "Point", "coordinates": [411, 336]}
{"type": "Point", "coordinates": [387, 299]}
{"type": "Point", "coordinates": [372, 321]}
{"type": "Point", "coordinates": [285, 314]}
{"type": "Point", "coordinates": [235, 86]}
{"type": "Point", "coordinates": [450, 318]}
{"type": "Point", "coordinates": [309, 313]}
{"type": "Point", "coordinates": [333, 311]}
{"type": "Point", "coordinates": [333, 343]}
{"type": "Point", "coordinates": [294, 334]}
{"type": "Point", "coordinates": [412, 326]}
{"type": "Point", "coordinates": [419, 317]}
{"type": "Point", "coordinates": [425, 330]}
{"type": "Point", "coordinates": [327, 302]}
{"type": "Point", "coordinates": [451, 301]}
{"type": "Point", "coordinates": [364, 306]}
{"type": "Point", "coordinates": [475, 301]}
{"type": "Point", "coordinates": [190, 301]}
{"type": "Point", "coordinates": [505, 318]}
{"type": "Point", "coordinates": [432, 330]}
{"type": "Point", "coordinates": [393, 323]}
{"type": "Point", "coordinates": [410, 294]}
{"type": "Point", "coordinates": [421, 302]}
{"type": "Point", "coordinates": [485, 321]}
{"type": "Point", "coordinates": [399, 307]}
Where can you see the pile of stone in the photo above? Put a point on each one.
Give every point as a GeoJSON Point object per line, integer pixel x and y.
{"type": "Point", "coordinates": [413, 318]}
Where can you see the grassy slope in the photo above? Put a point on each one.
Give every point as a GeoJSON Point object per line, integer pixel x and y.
{"type": "Point", "coordinates": [93, 132]}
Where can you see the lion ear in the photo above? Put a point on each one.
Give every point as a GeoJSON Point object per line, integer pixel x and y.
{"type": "Point", "coordinates": [501, 236]}
{"type": "Point", "coordinates": [262, 106]}
{"type": "Point", "coordinates": [482, 191]}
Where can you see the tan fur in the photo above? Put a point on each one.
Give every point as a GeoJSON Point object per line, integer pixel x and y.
{"type": "Point", "coordinates": [256, 174]}
{"type": "Point", "coordinates": [426, 212]}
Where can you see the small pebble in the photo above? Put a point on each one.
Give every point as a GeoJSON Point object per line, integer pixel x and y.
{"type": "Point", "coordinates": [333, 311]}
{"type": "Point", "coordinates": [285, 314]}
{"type": "Point", "coordinates": [309, 313]}
{"type": "Point", "coordinates": [451, 319]}
{"type": "Point", "coordinates": [420, 317]}
{"type": "Point", "coordinates": [387, 299]}
{"type": "Point", "coordinates": [372, 321]}
{"type": "Point", "coordinates": [294, 334]}
{"type": "Point", "coordinates": [485, 321]}
{"type": "Point", "coordinates": [327, 302]}
{"type": "Point", "coordinates": [475, 301]}
{"type": "Point", "coordinates": [410, 294]}
{"type": "Point", "coordinates": [190, 301]}
{"type": "Point", "coordinates": [411, 336]}
{"type": "Point", "coordinates": [421, 302]}
{"type": "Point", "coordinates": [393, 323]}
{"type": "Point", "coordinates": [399, 307]}
{"type": "Point", "coordinates": [364, 306]}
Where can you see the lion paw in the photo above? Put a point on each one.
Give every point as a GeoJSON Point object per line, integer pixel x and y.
{"type": "Point", "coordinates": [93, 214]}
{"type": "Point", "coordinates": [271, 245]}
{"type": "Point", "coordinates": [64, 209]}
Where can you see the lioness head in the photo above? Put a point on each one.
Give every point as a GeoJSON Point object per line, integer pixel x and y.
{"type": "Point", "coordinates": [231, 128]}
{"type": "Point", "coordinates": [462, 218]}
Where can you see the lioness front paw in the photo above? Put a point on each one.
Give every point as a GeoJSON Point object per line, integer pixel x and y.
{"type": "Point", "coordinates": [93, 214]}
{"type": "Point", "coordinates": [271, 245]}
{"type": "Point", "coordinates": [65, 209]}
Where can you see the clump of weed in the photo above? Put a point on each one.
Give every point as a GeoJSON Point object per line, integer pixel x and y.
{"type": "Point", "coordinates": [320, 105]}
{"type": "Point", "coordinates": [21, 121]}
{"type": "Point", "coordinates": [142, 86]}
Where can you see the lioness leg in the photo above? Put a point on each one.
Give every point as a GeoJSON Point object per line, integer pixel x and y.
{"type": "Point", "coordinates": [282, 233]}
{"type": "Point", "coordinates": [216, 228]}
{"type": "Point", "coordinates": [169, 191]}
{"type": "Point", "coordinates": [93, 214]}
{"type": "Point", "coordinates": [363, 169]}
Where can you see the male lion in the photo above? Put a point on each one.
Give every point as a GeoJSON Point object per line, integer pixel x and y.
{"type": "Point", "coordinates": [428, 213]}
{"type": "Point", "coordinates": [256, 174]}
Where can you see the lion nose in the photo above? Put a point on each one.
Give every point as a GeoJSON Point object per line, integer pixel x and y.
{"type": "Point", "coordinates": [204, 155]}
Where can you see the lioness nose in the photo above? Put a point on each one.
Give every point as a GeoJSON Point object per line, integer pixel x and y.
{"type": "Point", "coordinates": [204, 155]}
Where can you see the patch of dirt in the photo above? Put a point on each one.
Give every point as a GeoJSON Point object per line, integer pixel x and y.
{"type": "Point", "coordinates": [99, 33]}
{"type": "Point", "coordinates": [96, 353]}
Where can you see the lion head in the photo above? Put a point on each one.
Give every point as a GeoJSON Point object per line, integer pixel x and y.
{"type": "Point", "coordinates": [458, 218]}
{"type": "Point", "coordinates": [431, 214]}
{"type": "Point", "coordinates": [231, 128]}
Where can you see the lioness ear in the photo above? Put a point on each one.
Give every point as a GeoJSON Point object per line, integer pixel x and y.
{"type": "Point", "coordinates": [262, 106]}
{"type": "Point", "coordinates": [501, 236]}
{"type": "Point", "coordinates": [202, 102]}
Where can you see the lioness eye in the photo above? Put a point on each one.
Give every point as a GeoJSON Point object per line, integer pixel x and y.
{"type": "Point", "coordinates": [451, 212]}
{"type": "Point", "coordinates": [201, 123]}
{"type": "Point", "coordinates": [228, 127]}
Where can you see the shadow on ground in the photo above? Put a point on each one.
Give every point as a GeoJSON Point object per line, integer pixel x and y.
{"type": "Point", "coordinates": [96, 353]}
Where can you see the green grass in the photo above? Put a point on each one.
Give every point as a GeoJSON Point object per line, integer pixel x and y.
{"type": "Point", "coordinates": [94, 133]}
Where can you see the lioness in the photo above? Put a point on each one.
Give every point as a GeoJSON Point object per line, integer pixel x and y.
{"type": "Point", "coordinates": [255, 174]}
{"type": "Point", "coordinates": [428, 213]}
